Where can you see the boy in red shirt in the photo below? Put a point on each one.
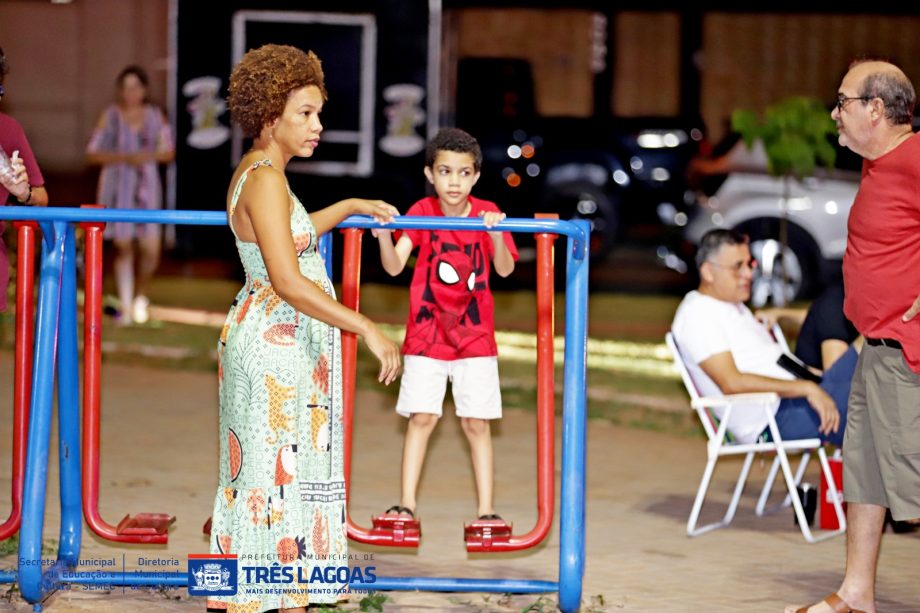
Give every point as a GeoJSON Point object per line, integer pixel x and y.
{"type": "Point", "coordinates": [450, 333]}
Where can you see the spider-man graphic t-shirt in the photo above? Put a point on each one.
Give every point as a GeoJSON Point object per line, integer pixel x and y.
{"type": "Point", "coordinates": [450, 305]}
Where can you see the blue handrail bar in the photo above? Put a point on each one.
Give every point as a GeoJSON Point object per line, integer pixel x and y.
{"type": "Point", "coordinates": [217, 218]}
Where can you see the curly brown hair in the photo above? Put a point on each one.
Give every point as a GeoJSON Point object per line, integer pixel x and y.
{"type": "Point", "coordinates": [262, 81]}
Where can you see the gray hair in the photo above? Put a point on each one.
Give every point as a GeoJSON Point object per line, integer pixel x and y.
{"type": "Point", "coordinates": [713, 240]}
{"type": "Point", "coordinates": [895, 90]}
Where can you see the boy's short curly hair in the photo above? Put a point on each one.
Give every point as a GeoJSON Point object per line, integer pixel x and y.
{"type": "Point", "coordinates": [262, 81]}
{"type": "Point", "coordinates": [456, 140]}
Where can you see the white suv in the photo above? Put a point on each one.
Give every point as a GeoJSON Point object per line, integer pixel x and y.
{"type": "Point", "coordinates": [816, 213]}
{"type": "Point", "coordinates": [752, 202]}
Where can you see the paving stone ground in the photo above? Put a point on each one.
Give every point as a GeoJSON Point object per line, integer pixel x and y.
{"type": "Point", "coordinates": [160, 451]}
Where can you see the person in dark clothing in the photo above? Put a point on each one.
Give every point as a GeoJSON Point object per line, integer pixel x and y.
{"type": "Point", "coordinates": [825, 334]}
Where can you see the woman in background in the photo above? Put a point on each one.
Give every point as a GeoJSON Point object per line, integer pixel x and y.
{"type": "Point", "coordinates": [131, 139]}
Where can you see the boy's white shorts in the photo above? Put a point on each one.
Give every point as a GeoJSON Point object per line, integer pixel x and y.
{"type": "Point", "coordinates": [474, 384]}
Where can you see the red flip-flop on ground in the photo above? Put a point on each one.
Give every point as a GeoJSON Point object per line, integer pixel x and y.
{"type": "Point", "coordinates": [835, 602]}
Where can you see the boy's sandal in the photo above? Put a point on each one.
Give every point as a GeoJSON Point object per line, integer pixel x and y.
{"type": "Point", "coordinates": [399, 510]}
{"type": "Point", "coordinates": [491, 516]}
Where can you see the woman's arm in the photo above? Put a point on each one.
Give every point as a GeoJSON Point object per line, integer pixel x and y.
{"type": "Point", "coordinates": [95, 154]}
{"type": "Point", "coordinates": [164, 157]}
{"type": "Point", "coordinates": [271, 224]}
{"type": "Point", "coordinates": [164, 154]}
{"type": "Point", "coordinates": [101, 158]}
{"type": "Point", "coordinates": [166, 148]}
{"type": "Point", "coordinates": [331, 216]}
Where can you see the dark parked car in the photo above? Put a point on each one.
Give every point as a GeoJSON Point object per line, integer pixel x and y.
{"type": "Point", "coordinates": [610, 171]}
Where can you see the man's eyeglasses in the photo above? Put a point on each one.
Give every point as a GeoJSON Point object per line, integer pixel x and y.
{"type": "Point", "coordinates": [738, 267]}
{"type": "Point", "coordinates": [842, 100]}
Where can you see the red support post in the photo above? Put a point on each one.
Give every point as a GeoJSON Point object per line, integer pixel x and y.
{"type": "Point", "coordinates": [351, 281]}
{"type": "Point", "coordinates": [402, 536]}
{"type": "Point", "coordinates": [22, 366]}
{"type": "Point", "coordinates": [145, 527]}
{"type": "Point", "coordinates": [481, 537]}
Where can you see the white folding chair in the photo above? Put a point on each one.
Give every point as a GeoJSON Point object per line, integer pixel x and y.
{"type": "Point", "coordinates": [719, 444]}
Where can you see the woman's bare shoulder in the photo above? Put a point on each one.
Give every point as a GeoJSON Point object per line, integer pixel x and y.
{"type": "Point", "coordinates": [262, 179]}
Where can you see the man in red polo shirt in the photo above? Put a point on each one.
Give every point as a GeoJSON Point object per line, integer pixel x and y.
{"type": "Point", "coordinates": [881, 448]}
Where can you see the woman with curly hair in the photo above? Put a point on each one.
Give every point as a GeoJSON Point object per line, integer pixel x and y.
{"type": "Point", "coordinates": [281, 492]}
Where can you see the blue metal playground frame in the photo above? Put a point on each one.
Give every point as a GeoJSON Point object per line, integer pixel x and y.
{"type": "Point", "coordinates": [56, 352]}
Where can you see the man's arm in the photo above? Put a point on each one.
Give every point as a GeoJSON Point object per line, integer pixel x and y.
{"type": "Point", "coordinates": [773, 315]}
{"type": "Point", "coordinates": [722, 370]}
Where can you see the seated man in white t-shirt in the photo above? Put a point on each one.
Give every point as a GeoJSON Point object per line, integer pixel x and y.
{"type": "Point", "coordinates": [728, 351]}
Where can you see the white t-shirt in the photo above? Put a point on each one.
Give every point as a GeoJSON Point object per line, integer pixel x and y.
{"type": "Point", "coordinates": [705, 326]}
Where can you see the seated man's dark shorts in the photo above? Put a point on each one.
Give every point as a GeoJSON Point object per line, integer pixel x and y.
{"type": "Point", "coordinates": [796, 419]}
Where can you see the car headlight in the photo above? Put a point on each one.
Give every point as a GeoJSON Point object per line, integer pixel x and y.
{"type": "Point", "coordinates": [661, 139]}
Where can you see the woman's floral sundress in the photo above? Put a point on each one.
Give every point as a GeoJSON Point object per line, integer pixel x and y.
{"type": "Point", "coordinates": [281, 493]}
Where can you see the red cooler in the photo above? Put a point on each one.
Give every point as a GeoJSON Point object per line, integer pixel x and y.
{"type": "Point", "coordinates": [828, 514]}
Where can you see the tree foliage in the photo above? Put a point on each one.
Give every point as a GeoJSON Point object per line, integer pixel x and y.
{"type": "Point", "coordinates": [796, 134]}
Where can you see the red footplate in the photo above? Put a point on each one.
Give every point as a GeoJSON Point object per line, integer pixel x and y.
{"type": "Point", "coordinates": [146, 523]}
{"type": "Point", "coordinates": [403, 531]}
{"type": "Point", "coordinates": [482, 533]}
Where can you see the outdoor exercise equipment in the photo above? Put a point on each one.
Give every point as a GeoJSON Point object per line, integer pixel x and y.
{"type": "Point", "coordinates": [492, 535]}
{"type": "Point", "coordinates": [143, 527]}
{"type": "Point", "coordinates": [482, 535]}
{"type": "Point", "coordinates": [390, 531]}
{"type": "Point", "coordinates": [55, 351]}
